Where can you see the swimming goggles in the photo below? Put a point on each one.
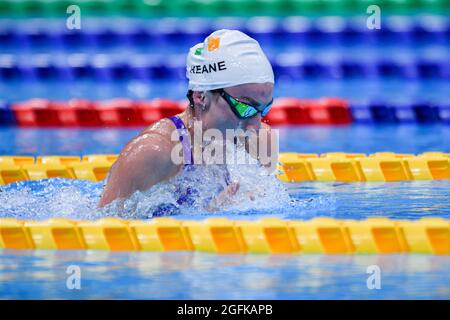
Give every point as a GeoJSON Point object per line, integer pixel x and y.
{"type": "Point", "coordinates": [243, 110]}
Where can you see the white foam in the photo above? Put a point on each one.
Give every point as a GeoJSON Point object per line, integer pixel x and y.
{"type": "Point", "coordinates": [77, 199]}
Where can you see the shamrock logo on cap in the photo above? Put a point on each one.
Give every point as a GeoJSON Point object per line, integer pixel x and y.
{"type": "Point", "coordinates": [198, 51]}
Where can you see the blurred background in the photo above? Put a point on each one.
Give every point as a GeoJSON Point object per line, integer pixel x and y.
{"type": "Point", "coordinates": [137, 48]}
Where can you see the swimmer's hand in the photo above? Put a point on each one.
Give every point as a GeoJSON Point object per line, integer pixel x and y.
{"type": "Point", "coordinates": [224, 198]}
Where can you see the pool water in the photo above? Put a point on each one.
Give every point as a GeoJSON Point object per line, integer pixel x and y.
{"type": "Point", "coordinates": [178, 275]}
{"type": "Point", "coordinates": [188, 275]}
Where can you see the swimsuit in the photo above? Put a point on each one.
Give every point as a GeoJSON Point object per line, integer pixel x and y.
{"type": "Point", "coordinates": [188, 157]}
{"type": "Point", "coordinates": [186, 191]}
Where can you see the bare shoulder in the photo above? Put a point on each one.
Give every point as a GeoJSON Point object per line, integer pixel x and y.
{"type": "Point", "coordinates": [145, 161]}
{"type": "Point", "coordinates": [155, 137]}
{"type": "Point", "coordinates": [152, 147]}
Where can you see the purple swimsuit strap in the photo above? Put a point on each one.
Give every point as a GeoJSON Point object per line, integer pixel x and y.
{"type": "Point", "coordinates": [184, 139]}
{"type": "Point", "coordinates": [188, 157]}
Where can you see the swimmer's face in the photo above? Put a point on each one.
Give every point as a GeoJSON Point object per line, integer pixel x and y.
{"type": "Point", "coordinates": [220, 115]}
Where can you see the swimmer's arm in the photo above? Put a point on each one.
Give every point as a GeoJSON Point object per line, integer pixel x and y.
{"type": "Point", "coordinates": [143, 163]}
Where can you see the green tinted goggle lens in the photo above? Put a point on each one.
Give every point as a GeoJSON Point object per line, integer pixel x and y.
{"type": "Point", "coordinates": [244, 110]}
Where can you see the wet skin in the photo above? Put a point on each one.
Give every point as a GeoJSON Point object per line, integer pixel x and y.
{"type": "Point", "coordinates": [146, 159]}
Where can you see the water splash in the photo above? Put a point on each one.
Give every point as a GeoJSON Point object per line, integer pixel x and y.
{"type": "Point", "coordinates": [43, 199]}
{"type": "Point", "coordinates": [77, 199]}
{"type": "Point", "coordinates": [258, 191]}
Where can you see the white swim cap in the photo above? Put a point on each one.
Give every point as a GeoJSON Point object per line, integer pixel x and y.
{"type": "Point", "coordinates": [227, 58]}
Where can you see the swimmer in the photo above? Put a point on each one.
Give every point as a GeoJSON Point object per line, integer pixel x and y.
{"type": "Point", "coordinates": [230, 87]}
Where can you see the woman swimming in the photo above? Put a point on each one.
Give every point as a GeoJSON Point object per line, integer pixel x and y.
{"type": "Point", "coordinates": [230, 87]}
